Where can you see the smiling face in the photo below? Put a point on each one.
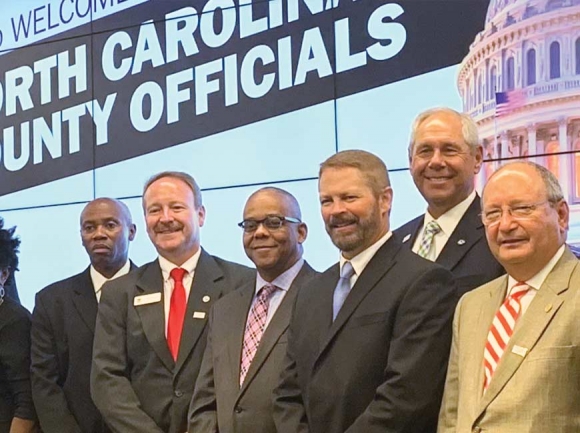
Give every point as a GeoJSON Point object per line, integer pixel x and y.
{"type": "Point", "coordinates": [106, 230]}
{"type": "Point", "coordinates": [172, 220]}
{"type": "Point", "coordinates": [523, 246]}
{"type": "Point", "coordinates": [273, 251]}
{"type": "Point", "coordinates": [442, 165]}
{"type": "Point", "coordinates": [354, 215]}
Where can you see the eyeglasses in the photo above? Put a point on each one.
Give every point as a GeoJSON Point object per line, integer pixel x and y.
{"type": "Point", "coordinates": [519, 212]}
{"type": "Point", "coordinates": [271, 222]}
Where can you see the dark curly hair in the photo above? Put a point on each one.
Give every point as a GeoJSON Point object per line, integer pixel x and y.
{"type": "Point", "coordinates": [8, 248]}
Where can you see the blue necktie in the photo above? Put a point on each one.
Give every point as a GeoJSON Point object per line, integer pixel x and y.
{"type": "Point", "coordinates": [342, 288]}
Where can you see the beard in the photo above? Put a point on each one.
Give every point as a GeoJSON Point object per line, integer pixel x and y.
{"type": "Point", "coordinates": [363, 235]}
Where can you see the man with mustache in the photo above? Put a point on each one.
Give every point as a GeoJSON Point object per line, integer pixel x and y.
{"type": "Point", "coordinates": [515, 358]}
{"type": "Point", "coordinates": [248, 328]}
{"type": "Point", "coordinates": [152, 324]}
{"type": "Point", "coordinates": [444, 157]}
{"type": "Point", "coordinates": [63, 323]}
{"type": "Point", "coordinates": [369, 338]}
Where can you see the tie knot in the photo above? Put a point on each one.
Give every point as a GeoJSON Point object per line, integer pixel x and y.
{"type": "Point", "coordinates": [432, 227]}
{"type": "Point", "coordinates": [519, 290]}
{"type": "Point", "coordinates": [266, 291]}
{"type": "Point", "coordinates": [347, 271]}
{"type": "Point", "coordinates": [177, 274]}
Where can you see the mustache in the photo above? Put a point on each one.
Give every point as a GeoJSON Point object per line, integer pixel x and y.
{"type": "Point", "coordinates": [170, 226]}
{"type": "Point", "coordinates": [336, 220]}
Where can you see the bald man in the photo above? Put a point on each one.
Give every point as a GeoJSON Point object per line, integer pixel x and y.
{"type": "Point", "coordinates": [63, 323]}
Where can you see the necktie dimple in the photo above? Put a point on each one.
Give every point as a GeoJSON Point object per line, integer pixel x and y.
{"type": "Point", "coordinates": [342, 288]}
{"type": "Point", "coordinates": [431, 229]}
{"type": "Point", "coordinates": [501, 330]}
{"type": "Point", "coordinates": [255, 328]}
{"type": "Point", "coordinates": [177, 307]}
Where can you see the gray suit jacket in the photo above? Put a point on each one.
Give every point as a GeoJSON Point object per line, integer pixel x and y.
{"type": "Point", "coordinates": [135, 382]}
{"type": "Point", "coordinates": [536, 386]}
{"type": "Point", "coordinates": [218, 404]}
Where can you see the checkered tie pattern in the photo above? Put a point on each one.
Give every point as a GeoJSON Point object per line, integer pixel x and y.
{"type": "Point", "coordinates": [501, 330]}
{"type": "Point", "coordinates": [255, 328]}
{"type": "Point", "coordinates": [431, 229]}
{"type": "Point", "coordinates": [342, 288]}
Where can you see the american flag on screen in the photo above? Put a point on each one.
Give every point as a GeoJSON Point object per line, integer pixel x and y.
{"type": "Point", "coordinates": [505, 102]}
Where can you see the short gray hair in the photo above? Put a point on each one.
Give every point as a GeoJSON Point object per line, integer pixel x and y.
{"type": "Point", "coordinates": [184, 177]}
{"type": "Point", "coordinates": [468, 129]}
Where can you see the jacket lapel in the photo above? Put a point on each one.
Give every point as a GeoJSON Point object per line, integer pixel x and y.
{"type": "Point", "coordinates": [466, 234]}
{"type": "Point", "coordinates": [85, 299]}
{"type": "Point", "coordinates": [153, 315]}
{"type": "Point", "coordinates": [375, 270]}
{"type": "Point", "coordinates": [204, 291]}
{"type": "Point", "coordinates": [239, 316]}
{"type": "Point", "coordinates": [277, 326]}
{"type": "Point", "coordinates": [409, 235]}
{"type": "Point", "coordinates": [538, 316]}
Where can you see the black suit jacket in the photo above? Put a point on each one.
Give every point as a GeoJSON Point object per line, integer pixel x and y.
{"type": "Point", "coordinates": [135, 382]}
{"type": "Point", "coordinates": [380, 366]}
{"type": "Point", "coordinates": [218, 403]}
{"type": "Point", "coordinates": [466, 254]}
{"type": "Point", "coordinates": [63, 329]}
{"type": "Point", "coordinates": [15, 392]}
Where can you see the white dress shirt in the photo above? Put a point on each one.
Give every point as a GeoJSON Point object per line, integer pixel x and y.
{"type": "Point", "coordinates": [362, 259]}
{"type": "Point", "coordinates": [168, 284]}
{"type": "Point", "coordinates": [99, 279]}
{"type": "Point", "coordinates": [448, 222]}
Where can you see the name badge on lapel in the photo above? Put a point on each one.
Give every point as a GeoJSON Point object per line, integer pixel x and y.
{"type": "Point", "coordinates": [199, 314]}
{"type": "Point", "coordinates": [147, 299]}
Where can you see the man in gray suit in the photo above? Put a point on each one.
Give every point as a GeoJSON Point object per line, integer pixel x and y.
{"type": "Point", "coordinates": [245, 350]}
{"type": "Point", "coordinates": [151, 325]}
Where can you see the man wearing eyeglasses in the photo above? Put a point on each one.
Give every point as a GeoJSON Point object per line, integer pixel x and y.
{"type": "Point", "coordinates": [247, 329]}
{"type": "Point", "coordinates": [515, 358]}
{"type": "Point", "coordinates": [444, 157]}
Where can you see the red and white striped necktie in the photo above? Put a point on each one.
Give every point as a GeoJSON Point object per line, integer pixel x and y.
{"type": "Point", "coordinates": [501, 330]}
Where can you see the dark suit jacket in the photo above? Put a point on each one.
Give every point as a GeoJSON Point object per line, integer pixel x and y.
{"type": "Point", "coordinates": [63, 328]}
{"type": "Point", "coordinates": [380, 366]}
{"type": "Point", "coordinates": [15, 392]}
{"type": "Point", "coordinates": [218, 403]}
{"type": "Point", "coordinates": [135, 382]}
{"type": "Point", "coordinates": [466, 254]}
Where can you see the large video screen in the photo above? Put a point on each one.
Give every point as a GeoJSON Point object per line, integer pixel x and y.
{"type": "Point", "coordinates": [98, 95]}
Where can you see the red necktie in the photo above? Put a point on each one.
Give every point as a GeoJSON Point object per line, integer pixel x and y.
{"type": "Point", "coordinates": [176, 311]}
{"type": "Point", "coordinates": [502, 329]}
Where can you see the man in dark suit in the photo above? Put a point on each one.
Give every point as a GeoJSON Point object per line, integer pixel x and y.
{"type": "Point", "coordinates": [444, 156]}
{"type": "Point", "coordinates": [369, 338]}
{"type": "Point", "coordinates": [151, 325]}
{"type": "Point", "coordinates": [241, 366]}
{"type": "Point", "coordinates": [63, 323]}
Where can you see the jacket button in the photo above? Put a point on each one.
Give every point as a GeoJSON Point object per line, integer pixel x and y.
{"type": "Point", "coordinates": [238, 409]}
{"type": "Point", "coordinates": [178, 393]}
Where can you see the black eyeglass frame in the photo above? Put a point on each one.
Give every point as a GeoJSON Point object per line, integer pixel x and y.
{"type": "Point", "coordinates": [262, 221]}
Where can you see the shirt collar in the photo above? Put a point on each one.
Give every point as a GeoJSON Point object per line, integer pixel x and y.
{"type": "Point", "coordinates": [99, 279]}
{"type": "Point", "coordinates": [362, 259]}
{"type": "Point", "coordinates": [189, 265]}
{"type": "Point", "coordinates": [537, 280]}
{"type": "Point", "coordinates": [282, 281]}
{"type": "Point", "coordinates": [449, 220]}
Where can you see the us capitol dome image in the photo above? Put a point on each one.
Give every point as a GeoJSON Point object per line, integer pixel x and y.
{"type": "Point", "coordinates": [520, 82]}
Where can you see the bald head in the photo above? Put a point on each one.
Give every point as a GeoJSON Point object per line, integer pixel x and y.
{"type": "Point", "coordinates": [106, 230]}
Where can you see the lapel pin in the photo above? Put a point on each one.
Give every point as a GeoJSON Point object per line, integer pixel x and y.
{"type": "Point", "coordinates": [461, 242]}
{"type": "Point", "coordinates": [205, 299]}
{"type": "Point", "coordinates": [548, 308]}
{"type": "Point", "coordinates": [406, 238]}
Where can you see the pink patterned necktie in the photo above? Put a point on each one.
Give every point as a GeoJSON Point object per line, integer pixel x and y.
{"type": "Point", "coordinates": [501, 330]}
{"type": "Point", "coordinates": [255, 328]}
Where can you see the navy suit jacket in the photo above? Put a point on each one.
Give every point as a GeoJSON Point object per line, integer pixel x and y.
{"type": "Point", "coordinates": [466, 253]}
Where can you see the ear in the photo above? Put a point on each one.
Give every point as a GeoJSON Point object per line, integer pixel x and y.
{"type": "Point", "coordinates": [201, 215]}
{"type": "Point", "coordinates": [4, 274]}
{"type": "Point", "coordinates": [302, 232]}
{"type": "Point", "coordinates": [132, 231]}
{"type": "Point", "coordinates": [478, 158]}
{"type": "Point", "coordinates": [386, 200]}
{"type": "Point", "coordinates": [563, 215]}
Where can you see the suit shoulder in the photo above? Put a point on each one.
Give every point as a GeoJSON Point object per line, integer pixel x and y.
{"type": "Point", "coordinates": [63, 286]}
{"type": "Point", "coordinates": [234, 270]}
{"type": "Point", "coordinates": [407, 228]}
{"type": "Point", "coordinates": [482, 291]}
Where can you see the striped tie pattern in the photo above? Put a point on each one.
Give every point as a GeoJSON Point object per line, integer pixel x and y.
{"type": "Point", "coordinates": [501, 330]}
{"type": "Point", "coordinates": [431, 229]}
{"type": "Point", "coordinates": [255, 328]}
